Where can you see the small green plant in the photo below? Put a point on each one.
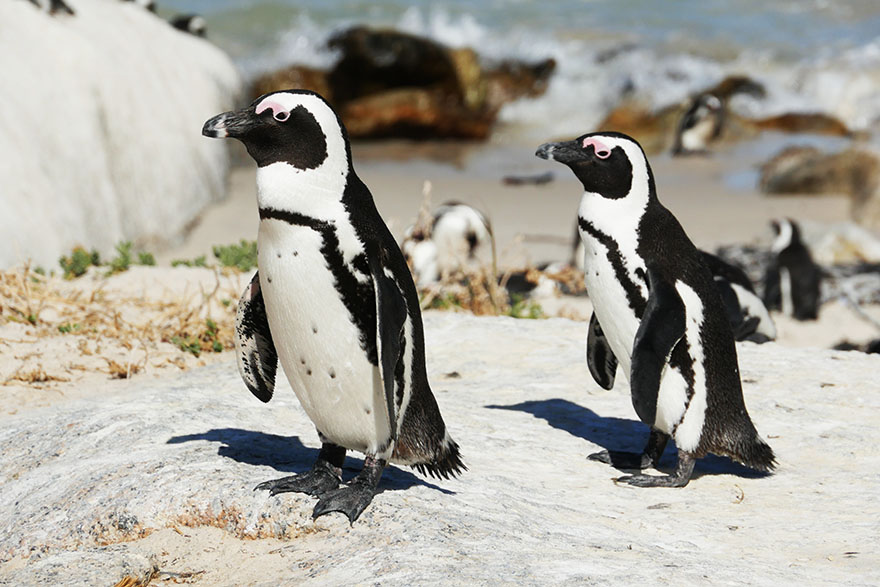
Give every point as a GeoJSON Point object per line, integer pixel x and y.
{"type": "Point", "coordinates": [123, 259]}
{"type": "Point", "coordinates": [446, 301]}
{"type": "Point", "coordinates": [520, 307]}
{"type": "Point", "coordinates": [67, 327]}
{"type": "Point", "coordinates": [200, 261]}
{"type": "Point", "coordinates": [243, 256]}
{"type": "Point", "coordinates": [210, 336]}
{"type": "Point", "coordinates": [208, 340]}
{"type": "Point", "coordinates": [78, 262]}
{"type": "Point", "coordinates": [187, 344]}
{"type": "Point", "coordinates": [146, 259]}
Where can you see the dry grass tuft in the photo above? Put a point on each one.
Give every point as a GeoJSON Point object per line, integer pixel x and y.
{"type": "Point", "coordinates": [115, 331]}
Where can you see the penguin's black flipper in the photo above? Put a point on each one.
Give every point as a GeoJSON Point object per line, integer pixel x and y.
{"type": "Point", "coordinates": [662, 326]}
{"type": "Point", "coordinates": [390, 318]}
{"type": "Point", "coordinates": [255, 351]}
{"type": "Point", "coordinates": [600, 359]}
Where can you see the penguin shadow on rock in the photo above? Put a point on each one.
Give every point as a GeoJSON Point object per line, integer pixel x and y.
{"type": "Point", "coordinates": [619, 434]}
{"type": "Point", "coordinates": [287, 454]}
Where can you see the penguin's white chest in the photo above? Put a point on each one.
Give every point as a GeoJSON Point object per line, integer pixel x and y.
{"type": "Point", "coordinates": [317, 342]}
{"type": "Point", "coordinates": [675, 414]}
{"type": "Point", "coordinates": [617, 318]}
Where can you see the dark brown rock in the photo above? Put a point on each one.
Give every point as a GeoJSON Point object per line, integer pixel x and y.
{"type": "Point", "coordinates": [797, 122]}
{"type": "Point", "coordinates": [393, 84]}
{"type": "Point", "coordinates": [807, 170]}
{"type": "Point", "coordinates": [415, 113]}
{"type": "Point", "coordinates": [511, 80]}
{"type": "Point", "coordinates": [297, 77]}
{"type": "Point", "coordinates": [654, 130]}
{"type": "Point", "coordinates": [375, 61]}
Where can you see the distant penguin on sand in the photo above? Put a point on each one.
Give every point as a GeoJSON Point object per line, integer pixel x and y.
{"type": "Point", "coordinates": [190, 23]}
{"type": "Point", "coordinates": [334, 302]}
{"type": "Point", "coordinates": [53, 6]}
{"type": "Point", "coordinates": [145, 4]}
{"type": "Point", "coordinates": [699, 125]}
{"type": "Point", "coordinates": [657, 313]}
{"type": "Point", "coordinates": [793, 281]}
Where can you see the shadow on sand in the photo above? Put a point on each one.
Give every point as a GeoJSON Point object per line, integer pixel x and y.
{"type": "Point", "coordinates": [619, 434]}
{"type": "Point", "coordinates": [289, 455]}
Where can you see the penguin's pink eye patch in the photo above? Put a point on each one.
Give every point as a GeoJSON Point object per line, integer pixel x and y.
{"type": "Point", "coordinates": [279, 112]}
{"type": "Point", "coordinates": [602, 150]}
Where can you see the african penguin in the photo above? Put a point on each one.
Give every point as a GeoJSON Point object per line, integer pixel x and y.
{"type": "Point", "coordinates": [657, 313]}
{"type": "Point", "coordinates": [457, 234]}
{"type": "Point", "coordinates": [700, 124]}
{"type": "Point", "coordinates": [145, 4]}
{"type": "Point", "coordinates": [334, 302]}
{"type": "Point", "coordinates": [748, 315]}
{"type": "Point", "coordinates": [793, 281]}
{"type": "Point", "coordinates": [53, 7]}
{"type": "Point", "coordinates": [189, 23]}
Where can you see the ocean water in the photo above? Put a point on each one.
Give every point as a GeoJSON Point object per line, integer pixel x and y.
{"type": "Point", "coordinates": [811, 55]}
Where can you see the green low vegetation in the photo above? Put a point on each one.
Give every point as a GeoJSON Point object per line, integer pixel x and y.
{"type": "Point", "coordinates": [522, 307]}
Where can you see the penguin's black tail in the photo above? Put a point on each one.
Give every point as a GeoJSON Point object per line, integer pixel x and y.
{"type": "Point", "coordinates": [447, 461]}
{"type": "Point", "coordinates": [756, 453]}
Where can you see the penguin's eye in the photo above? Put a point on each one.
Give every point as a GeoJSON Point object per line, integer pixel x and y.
{"type": "Point", "coordinates": [281, 116]}
{"type": "Point", "coordinates": [603, 153]}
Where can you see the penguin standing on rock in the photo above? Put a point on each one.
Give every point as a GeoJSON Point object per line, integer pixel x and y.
{"type": "Point", "coordinates": [334, 302]}
{"type": "Point", "coordinates": [657, 313]}
{"type": "Point", "coordinates": [793, 282]}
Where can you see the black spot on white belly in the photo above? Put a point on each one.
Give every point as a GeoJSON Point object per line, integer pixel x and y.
{"type": "Point", "coordinates": [308, 371]}
{"type": "Point", "coordinates": [332, 373]}
{"type": "Point", "coordinates": [279, 255]}
{"type": "Point", "coordinates": [296, 253]}
{"type": "Point", "coordinates": [314, 329]}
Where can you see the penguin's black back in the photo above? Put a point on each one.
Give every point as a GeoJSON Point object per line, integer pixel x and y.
{"type": "Point", "coordinates": [422, 431]}
{"type": "Point", "coordinates": [727, 428]}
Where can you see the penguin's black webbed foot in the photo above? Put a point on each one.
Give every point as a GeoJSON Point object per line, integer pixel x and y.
{"type": "Point", "coordinates": [653, 480]}
{"type": "Point", "coordinates": [316, 482]}
{"type": "Point", "coordinates": [351, 500]}
{"type": "Point", "coordinates": [623, 460]}
{"type": "Point", "coordinates": [326, 475]}
{"type": "Point", "coordinates": [679, 478]}
{"type": "Point", "coordinates": [354, 498]}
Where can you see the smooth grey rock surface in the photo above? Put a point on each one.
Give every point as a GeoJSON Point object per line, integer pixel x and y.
{"type": "Point", "coordinates": [98, 479]}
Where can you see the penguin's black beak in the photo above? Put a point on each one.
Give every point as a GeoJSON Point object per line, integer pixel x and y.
{"type": "Point", "coordinates": [564, 152]}
{"type": "Point", "coordinates": [231, 124]}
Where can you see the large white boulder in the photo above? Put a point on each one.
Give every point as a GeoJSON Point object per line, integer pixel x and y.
{"type": "Point", "coordinates": [100, 128]}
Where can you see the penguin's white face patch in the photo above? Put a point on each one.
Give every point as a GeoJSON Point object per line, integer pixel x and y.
{"type": "Point", "coordinates": [784, 233]}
